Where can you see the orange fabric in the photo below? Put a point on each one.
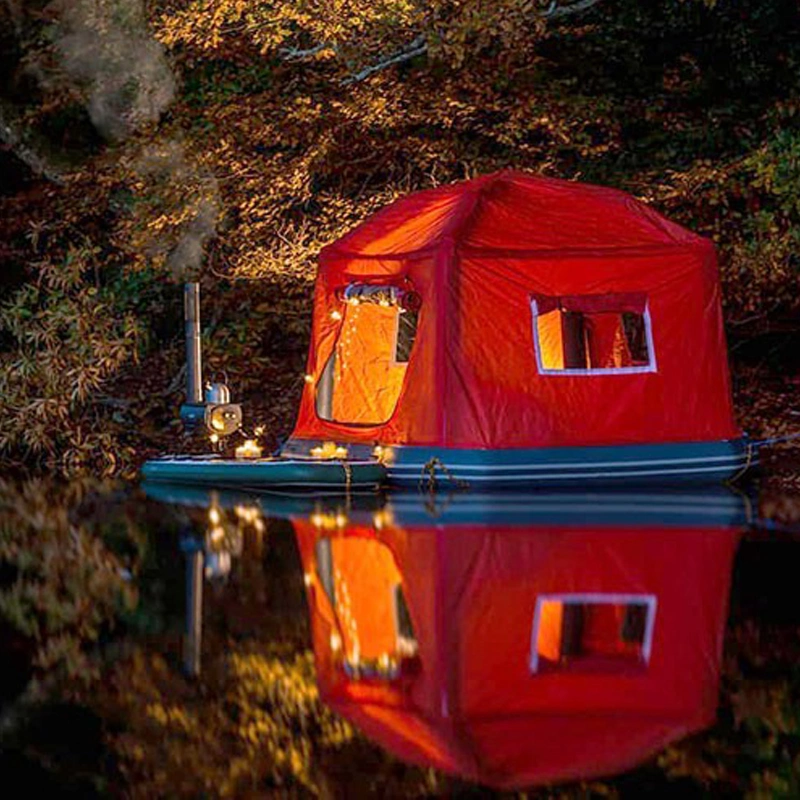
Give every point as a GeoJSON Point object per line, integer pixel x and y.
{"type": "Point", "coordinates": [548, 642]}
{"type": "Point", "coordinates": [476, 253]}
{"type": "Point", "coordinates": [365, 577]}
{"type": "Point", "coordinates": [367, 381]}
{"type": "Point", "coordinates": [551, 339]}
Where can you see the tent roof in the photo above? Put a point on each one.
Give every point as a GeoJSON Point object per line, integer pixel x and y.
{"type": "Point", "coordinates": [515, 751]}
{"type": "Point", "coordinates": [511, 211]}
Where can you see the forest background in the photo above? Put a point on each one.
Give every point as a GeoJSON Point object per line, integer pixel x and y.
{"type": "Point", "coordinates": [229, 140]}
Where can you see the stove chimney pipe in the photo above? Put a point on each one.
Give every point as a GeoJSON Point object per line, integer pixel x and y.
{"type": "Point", "coordinates": [194, 363]}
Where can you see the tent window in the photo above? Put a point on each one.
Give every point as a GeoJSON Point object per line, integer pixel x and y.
{"type": "Point", "coordinates": [364, 375]}
{"type": "Point", "coordinates": [592, 632]}
{"type": "Point", "coordinates": [406, 333]}
{"type": "Point", "coordinates": [406, 638]}
{"type": "Point", "coordinates": [592, 334]}
{"type": "Point", "coordinates": [325, 568]}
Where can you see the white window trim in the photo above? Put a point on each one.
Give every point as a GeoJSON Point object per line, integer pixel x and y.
{"type": "Point", "coordinates": [651, 366]}
{"type": "Point", "coordinates": [648, 600]}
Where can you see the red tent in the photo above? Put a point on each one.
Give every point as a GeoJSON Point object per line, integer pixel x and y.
{"type": "Point", "coordinates": [516, 311]}
{"type": "Point", "coordinates": [519, 656]}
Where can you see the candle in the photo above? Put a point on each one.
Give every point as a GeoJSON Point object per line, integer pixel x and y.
{"type": "Point", "coordinates": [248, 450]}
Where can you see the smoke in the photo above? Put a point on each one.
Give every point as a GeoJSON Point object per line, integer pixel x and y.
{"type": "Point", "coordinates": [106, 49]}
{"type": "Point", "coordinates": [182, 214]}
{"type": "Point", "coordinates": [187, 256]}
{"type": "Point", "coordinates": [105, 46]}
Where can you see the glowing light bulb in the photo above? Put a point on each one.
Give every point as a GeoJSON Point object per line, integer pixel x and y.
{"type": "Point", "coordinates": [217, 534]}
{"type": "Point", "coordinates": [383, 453]}
{"type": "Point", "coordinates": [382, 518]}
{"type": "Point", "coordinates": [308, 378]}
{"type": "Point", "coordinates": [337, 315]}
{"type": "Point", "coordinates": [213, 438]}
{"type": "Point", "coordinates": [248, 514]}
{"type": "Point", "coordinates": [213, 515]}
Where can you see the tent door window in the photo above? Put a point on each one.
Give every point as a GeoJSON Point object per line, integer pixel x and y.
{"type": "Point", "coordinates": [369, 605]}
{"type": "Point", "coordinates": [365, 373]}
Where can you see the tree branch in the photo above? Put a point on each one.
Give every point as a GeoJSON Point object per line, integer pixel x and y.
{"type": "Point", "coordinates": [555, 10]}
{"type": "Point", "coordinates": [297, 54]}
{"type": "Point", "coordinates": [417, 47]}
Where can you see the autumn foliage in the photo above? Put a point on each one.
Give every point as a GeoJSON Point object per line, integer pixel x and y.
{"type": "Point", "coordinates": [232, 139]}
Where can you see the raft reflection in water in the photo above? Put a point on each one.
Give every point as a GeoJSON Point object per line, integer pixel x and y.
{"type": "Point", "coordinates": [520, 654]}
{"type": "Point", "coordinates": [517, 640]}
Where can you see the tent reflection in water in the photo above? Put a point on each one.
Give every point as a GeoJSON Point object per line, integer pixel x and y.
{"type": "Point", "coordinates": [521, 655]}
{"type": "Point", "coordinates": [520, 328]}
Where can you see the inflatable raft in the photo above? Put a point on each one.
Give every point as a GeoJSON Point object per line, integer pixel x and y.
{"type": "Point", "coordinates": [666, 464]}
{"type": "Point", "coordinates": [477, 470]}
{"type": "Point", "coordinates": [259, 473]}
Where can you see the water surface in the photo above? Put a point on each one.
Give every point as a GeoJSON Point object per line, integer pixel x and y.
{"type": "Point", "coordinates": [182, 642]}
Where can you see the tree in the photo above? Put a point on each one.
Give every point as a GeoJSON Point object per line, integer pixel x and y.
{"type": "Point", "coordinates": [366, 38]}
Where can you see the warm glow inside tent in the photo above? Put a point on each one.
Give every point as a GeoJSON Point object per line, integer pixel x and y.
{"type": "Point", "coordinates": [520, 655]}
{"type": "Point", "coordinates": [516, 311]}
